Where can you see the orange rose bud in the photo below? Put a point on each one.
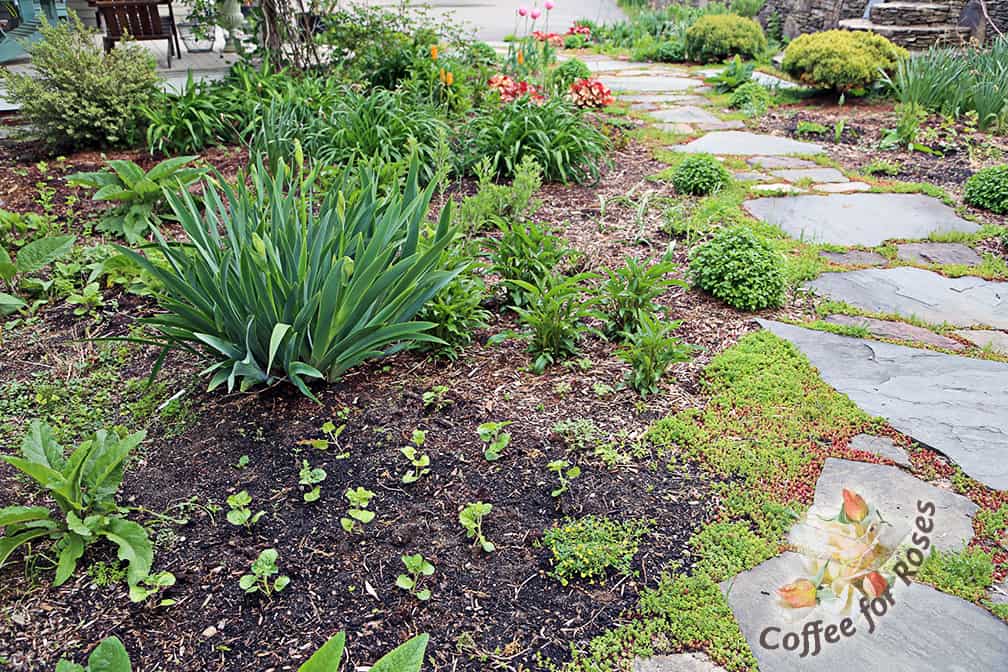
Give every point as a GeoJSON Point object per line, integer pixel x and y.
{"type": "Point", "coordinates": [801, 593]}
{"type": "Point", "coordinates": [875, 585]}
{"type": "Point", "coordinates": [434, 52]}
{"type": "Point", "coordinates": [854, 506]}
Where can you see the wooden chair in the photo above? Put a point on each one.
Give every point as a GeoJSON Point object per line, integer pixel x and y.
{"type": "Point", "coordinates": [138, 20]}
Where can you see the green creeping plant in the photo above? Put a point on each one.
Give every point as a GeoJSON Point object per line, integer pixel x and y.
{"type": "Point", "coordinates": [83, 486]}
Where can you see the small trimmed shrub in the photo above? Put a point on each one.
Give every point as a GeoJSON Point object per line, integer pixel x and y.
{"type": "Point", "coordinates": [716, 37]}
{"type": "Point", "coordinates": [988, 189]}
{"type": "Point", "coordinates": [78, 96]}
{"type": "Point", "coordinates": [659, 51]}
{"type": "Point", "coordinates": [565, 74]}
{"type": "Point", "coordinates": [751, 98]}
{"type": "Point", "coordinates": [700, 174]}
{"type": "Point", "coordinates": [740, 268]}
{"type": "Point", "coordinates": [841, 60]}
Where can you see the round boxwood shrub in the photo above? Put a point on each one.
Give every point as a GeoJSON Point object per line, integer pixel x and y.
{"type": "Point", "coordinates": [740, 268]}
{"type": "Point", "coordinates": [568, 72]}
{"type": "Point", "coordinates": [715, 37]}
{"type": "Point", "coordinates": [988, 189]}
{"type": "Point", "coordinates": [700, 174]}
{"type": "Point", "coordinates": [842, 60]}
{"type": "Point", "coordinates": [750, 97]}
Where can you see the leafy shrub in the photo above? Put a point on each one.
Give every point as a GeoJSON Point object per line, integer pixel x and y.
{"type": "Point", "coordinates": [734, 75]}
{"type": "Point", "coordinates": [565, 144]}
{"type": "Point", "coordinates": [593, 546]}
{"type": "Point", "coordinates": [83, 486]}
{"type": "Point", "coordinates": [79, 97]}
{"type": "Point", "coordinates": [139, 195]}
{"type": "Point", "coordinates": [456, 311]}
{"type": "Point", "coordinates": [481, 54]}
{"type": "Point", "coordinates": [739, 268]}
{"type": "Point", "coordinates": [749, 8]}
{"type": "Point", "coordinates": [841, 60]}
{"type": "Point", "coordinates": [700, 174]}
{"type": "Point", "coordinates": [988, 189]}
{"type": "Point", "coordinates": [590, 93]}
{"type": "Point", "coordinates": [33, 257]}
{"type": "Point", "coordinates": [629, 292]}
{"type": "Point", "coordinates": [650, 350]}
{"type": "Point", "coordinates": [524, 253]}
{"type": "Point", "coordinates": [501, 202]}
{"type": "Point", "coordinates": [716, 37]}
{"type": "Point", "coordinates": [554, 312]}
{"type": "Point", "coordinates": [659, 51]}
{"type": "Point", "coordinates": [293, 291]}
{"type": "Point", "coordinates": [751, 98]}
{"type": "Point", "coordinates": [562, 76]}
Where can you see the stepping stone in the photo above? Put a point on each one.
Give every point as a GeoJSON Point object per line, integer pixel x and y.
{"type": "Point", "coordinates": [769, 162]}
{"type": "Point", "coordinates": [856, 258]}
{"type": "Point", "coordinates": [915, 292]}
{"type": "Point", "coordinates": [721, 125]}
{"type": "Point", "coordinates": [896, 330]}
{"type": "Point", "coordinates": [685, 114]}
{"type": "Point", "coordinates": [814, 174]}
{"type": "Point", "coordinates": [749, 176]}
{"type": "Point", "coordinates": [895, 493]}
{"type": "Point", "coordinates": [953, 404]}
{"type": "Point", "coordinates": [938, 253]}
{"type": "Point", "coordinates": [680, 662]}
{"type": "Point", "coordinates": [609, 65]}
{"type": "Point", "coordinates": [777, 187]}
{"type": "Point", "coordinates": [772, 82]}
{"type": "Point", "coordinates": [657, 98]}
{"type": "Point", "coordinates": [666, 101]}
{"type": "Point", "coordinates": [648, 83]}
{"type": "Point", "coordinates": [882, 446]}
{"type": "Point", "coordinates": [678, 129]}
{"type": "Point", "coordinates": [842, 188]}
{"type": "Point", "coordinates": [997, 341]}
{"type": "Point", "coordinates": [859, 219]}
{"type": "Point", "coordinates": [923, 631]}
{"type": "Point", "coordinates": [745, 143]}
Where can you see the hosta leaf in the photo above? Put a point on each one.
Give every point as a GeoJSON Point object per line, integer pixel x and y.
{"type": "Point", "coordinates": [408, 657]}
{"type": "Point", "coordinates": [327, 658]}
{"type": "Point", "coordinates": [36, 254]}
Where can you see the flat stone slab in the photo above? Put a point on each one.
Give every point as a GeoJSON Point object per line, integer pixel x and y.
{"type": "Point", "coordinates": [680, 662]}
{"type": "Point", "coordinates": [859, 219]}
{"type": "Point", "coordinates": [656, 98]}
{"type": "Point", "coordinates": [746, 143]}
{"type": "Point", "coordinates": [684, 114]}
{"type": "Point", "coordinates": [720, 125]}
{"type": "Point", "coordinates": [842, 187]}
{"type": "Point", "coordinates": [769, 162]}
{"type": "Point", "coordinates": [996, 341]}
{"type": "Point", "coordinates": [856, 258]}
{"type": "Point", "coordinates": [896, 330]}
{"type": "Point", "coordinates": [778, 187]}
{"type": "Point", "coordinates": [814, 174]}
{"type": "Point", "coordinates": [895, 494]}
{"type": "Point", "coordinates": [665, 102]}
{"type": "Point", "coordinates": [923, 631]}
{"type": "Point", "coordinates": [953, 404]}
{"type": "Point", "coordinates": [750, 176]}
{"type": "Point", "coordinates": [882, 446]}
{"type": "Point", "coordinates": [611, 65]}
{"type": "Point", "coordinates": [938, 253]}
{"type": "Point", "coordinates": [679, 129]}
{"type": "Point", "coordinates": [648, 83]}
{"type": "Point", "coordinates": [772, 82]}
{"type": "Point", "coordinates": [917, 292]}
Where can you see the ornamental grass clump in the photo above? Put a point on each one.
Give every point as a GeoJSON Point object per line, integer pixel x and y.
{"type": "Point", "coordinates": [270, 287]}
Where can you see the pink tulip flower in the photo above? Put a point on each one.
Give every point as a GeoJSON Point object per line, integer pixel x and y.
{"type": "Point", "coordinates": [536, 13]}
{"type": "Point", "coordinates": [522, 11]}
{"type": "Point", "coordinates": [549, 4]}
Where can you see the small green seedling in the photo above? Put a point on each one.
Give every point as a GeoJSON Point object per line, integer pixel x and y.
{"type": "Point", "coordinates": [435, 398]}
{"type": "Point", "coordinates": [152, 585]}
{"type": "Point", "coordinates": [243, 461]}
{"type": "Point", "coordinates": [359, 499]}
{"type": "Point", "coordinates": [420, 462]}
{"type": "Point", "coordinates": [565, 472]}
{"type": "Point", "coordinates": [240, 513]}
{"type": "Point", "coordinates": [311, 477]}
{"type": "Point", "coordinates": [332, 433]}
{"type": "Point", "coordinates": [496, 440]}
{"type": "Point", "coordinates": [417, 568]}
{"type": "Point", "coordinates": [471, 518]}
{"type": "Point", "coordinates": [263, 569]}
{"type": "Point", "coordinates": [109, 656]}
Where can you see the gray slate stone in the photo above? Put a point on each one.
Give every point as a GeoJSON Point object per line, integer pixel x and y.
{"type": "Point", "coordinates": [856, 258]}
{"type": "Point", "coordinates": [985, 338]}
{"type": "Point", "coordinates": [772, 82]}
{"type": "Point", "coordinates": [721, 125]}
{"type": "Point", "coordinates": [611, 65]}
{"type": "Point", "coordinates": [896, 330]}
{"type": "Point", "coordinates": [924, 631]}
{"type": "Point", "coordinates": [745, 143]}
{"type": "Point", "coordinates": [814, 174]}
{"type": "Point", "coordinates": [953, 404]}
{"type": "Point", "coordinates": [938, 253]}
{"type": "Point", "coordinates": [895, 493]}
{"type": "Point", "coordinates": [779, 162]}
{"type": "Point", "coordinates": [680, 662]}
{"type": "Point", "coordinates": [778, 187]}
{"type": "Point", "coordinates": [656, 98]}
{"type": "Point", "coordinates": [917, 292]}
{"type": "Point", "coordinates": [842, 187]}
{"type": "Point", "coordinates": [882, 446]}
{"type": "Point", "coordinates": [684, 114]}
{"type": "Point", "coordinates": [859, 219]}
{"type": "Point", "coordinates": [648, 83]}
{"type": "Point", "coordinates": [750, 176]}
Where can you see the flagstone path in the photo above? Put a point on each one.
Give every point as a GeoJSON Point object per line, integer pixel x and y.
{"type": "Point", "coordinates": [956, 405]}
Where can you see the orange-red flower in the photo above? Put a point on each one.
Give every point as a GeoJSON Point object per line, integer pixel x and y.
{"type": "Point", "coordinates": [434, 52]}
{"type": "Point", "coordinates": [874, 585]}
{"type": "Point", "coordinates": [510, 90]}
{"type": "Point", "coordinates": [590, 93]}
{"type": "Point", "coordinates": [854, 506]}
{"type": "Point", "coordinates": [521, 57]}
{"type": "Point", "coordinates": [801, 593]}
{"type": "Point", "coordinates": [449, 78]}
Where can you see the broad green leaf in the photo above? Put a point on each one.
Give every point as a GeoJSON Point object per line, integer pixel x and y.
{"type": "Point", "coordinates": [40, 447]}
{"type": "Point", "coordinates": [67, 666]}
{"type": "Point", "coordinates": [127, 171]}
{"type": "Point", "coordinates": [71, 551]}
{"type": "Point", "coordinates": [169, 167]}
{"type": "Point", "coordinates": [8, 543]}
{"type": "Point", "coordinates": [14, 515]}
{"type": "Point", "coordinates": [327, 658]}
{"type": "Point", "coordinates": [408, 657]}
{"type": "Point", "coordinates": [9, 304]}
{"type": "Point", "coordinates": [114, 192]}
{"type": "Point", "coordinates": [134, 547]}
{"type": "Point", "coordinates": [45, 476]}
{"type": "Point", "coordinates": [36, 254]}
{"type": "Point", "coordinates": [109, 656]}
